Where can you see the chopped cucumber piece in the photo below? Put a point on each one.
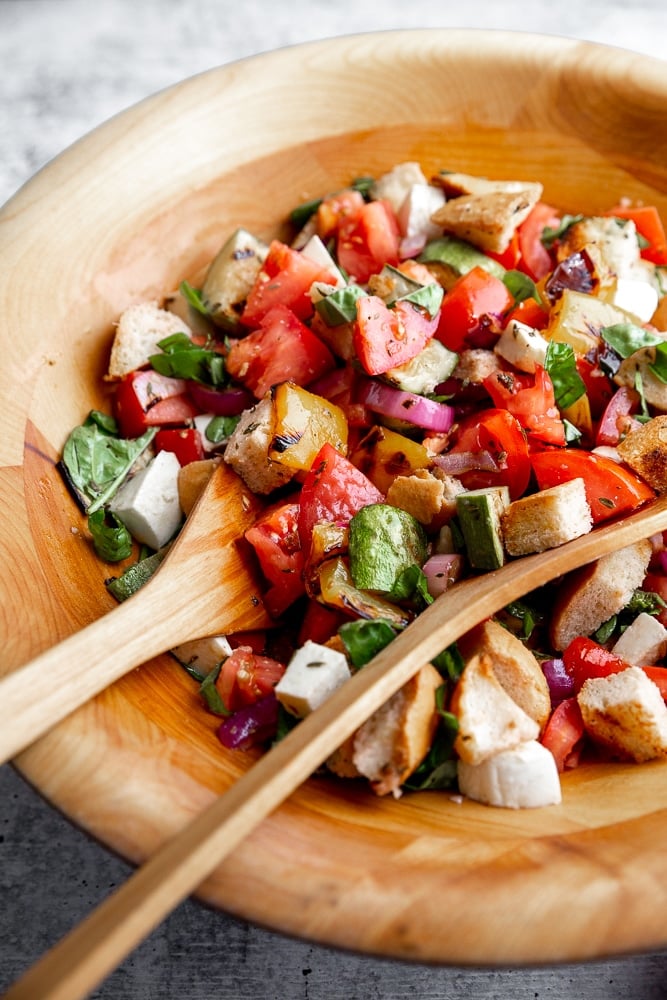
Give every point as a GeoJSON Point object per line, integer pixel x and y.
{"type": "Point", "coordinates": [453, 257]}
{"type": "Point", "coordinates": [479, 513]}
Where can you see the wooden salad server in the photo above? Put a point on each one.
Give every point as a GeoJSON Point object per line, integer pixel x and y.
{"type": "Point", "coordinates": [206, 586]}
{"type": "Point", "coordinates": [90, 952]}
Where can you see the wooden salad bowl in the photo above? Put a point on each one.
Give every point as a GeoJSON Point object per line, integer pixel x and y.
{"type": "Point", "coordinates": [124, 215]}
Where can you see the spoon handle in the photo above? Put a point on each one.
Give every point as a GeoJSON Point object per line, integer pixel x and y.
{"type": "Point", "coordinates": [202, 588]}
{"type": "Point", "coordinates": [90, 952]}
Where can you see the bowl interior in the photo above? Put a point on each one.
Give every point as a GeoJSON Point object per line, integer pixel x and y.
{"type": "Point", "coordinates": [125, 215]}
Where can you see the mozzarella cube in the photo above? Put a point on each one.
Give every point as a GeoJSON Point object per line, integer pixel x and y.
{"type": "Point", "coordinates": [394, 185]}
{"type": "Point", "coordinates": [522, 346]}
{"type": "Point", "coordinates": [524, 777]}
{"type": "Point", "coordinates": [634, 296]}
{"type": "Point", "coordinates": [414, 214]}
{"type": "Point", "coordinates": [313, 673]}
{"type": "Point", "coordinates": [643, 643]}
{"type": "Point", "coordinates": [148, 503]}
{"type": "Point", "coordinates": [203, 654]}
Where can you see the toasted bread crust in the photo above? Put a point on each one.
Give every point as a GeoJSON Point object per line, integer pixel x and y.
{"type": "Point", "coordinates": [590, 596]}
{"type": "Point", "coordinates": [645, 451]}
{"type": "Point", "coordinates": [514, 666]}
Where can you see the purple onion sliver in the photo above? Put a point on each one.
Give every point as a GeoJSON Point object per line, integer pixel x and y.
{"type": "Point", "coordinates": [561, 685]}
{"type": "Point", "coordinates": [250, 725]}
{"type": "Point", "coordinates": [222, 402]}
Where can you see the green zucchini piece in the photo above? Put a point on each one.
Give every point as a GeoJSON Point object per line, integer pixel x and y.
{"type": "Point", "coordinates": [479, 513]}
{"type": "Point", "coordinates": [450, 257]}
{"type": "Point", "coordinates": [384, 541]}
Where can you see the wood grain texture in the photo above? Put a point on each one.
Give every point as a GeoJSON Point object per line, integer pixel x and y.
{"type": "Point", "coordinates": [424, 877]}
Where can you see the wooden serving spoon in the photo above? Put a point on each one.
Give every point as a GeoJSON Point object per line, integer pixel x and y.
{"type": "Point", "coordinates": [90, 952]}
{"type": "Point", "coordinates": [205, 586]}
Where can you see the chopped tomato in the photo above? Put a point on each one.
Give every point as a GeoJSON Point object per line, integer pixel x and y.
{"type": "Point", "coordinates": [184, 442]}
{"type": "Point", "coordinates": [335, 210]}
{"type": "Point", "coordinates": [385, 338]}
{"type": "Point", "coordinates": [535, 258]}
{"type": "Point", "coordinates": [284, 280]}
{"type": "Point", "coordinates": [510, 257]}
{"type": "Point", "coordinates": [529, 398]}
{"type": "Point", "coordinates": [499, 434]}
{"type": "Point", "coordinates": [584, 658]}
{"type": "Point", "coordinates": [245, 677]}
{"type": "Point", "coordinates": [599, 387]}
{"type": "Point", "coordinates": [283, 349]}
{"type": "Point", "coordinates": [649, 225]}
{"type": "Point", "coordinates": [656, 583]}
{"type": "Point", "coordinates": [611, 488]}
{"type": "Point", "coordinates": [275, 539]}
{"type": "Point", "coordinates": [475, 302]}
{"type": "Point", "coordinates": [333, 490]}
{"type": "Point", "coordinates": [530, 312]}
{"type": "Point", "coordinates": [368, 240]}
{"type": "Point", "coordinates": [563, 732]}
{"type": "Point", "coordinates": [320, 623]}
{"type": "Point", "coordinates": [616, 419]}
{"type": "Point", "coordinates": [146, 399]}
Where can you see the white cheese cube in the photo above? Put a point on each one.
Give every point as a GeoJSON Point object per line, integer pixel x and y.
{"type": "Point", "coordinates": [313, 673]}
{"type": "Point", "coordinates": [524, 777]}
{"type": "Point", "coordinates": [414, 215]}
{"type": "Point", "coordinates": [395, 185]}
{"type": "Point", "coordinates": [643, 643]}
{"type": "Point", "coordinates": [148, 504]}
{"type": "Point", "coordinates": [522, 346]}
{"type": "Point", "coordinates": [634, 296]}
{"type": "Point", "coordinates": [203, 654]}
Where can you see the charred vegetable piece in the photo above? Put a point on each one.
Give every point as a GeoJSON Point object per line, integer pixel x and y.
{"type": "Point", "coordinates": [384, 542]}
{"type": "Point", "coordinates": [230, 278]}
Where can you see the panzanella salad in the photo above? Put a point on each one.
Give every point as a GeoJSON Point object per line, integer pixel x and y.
{"type": "Point", "coordinates": [431, 377]}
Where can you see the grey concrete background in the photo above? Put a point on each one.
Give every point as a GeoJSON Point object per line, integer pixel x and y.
{"type": "Point", "coordinates": [66, 66]}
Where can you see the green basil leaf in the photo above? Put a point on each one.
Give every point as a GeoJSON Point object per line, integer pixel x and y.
{"type": "Point", "coordinates": [181, 358]}
{"type": "Point", "coordinates": [95, 462]}
{"type": "Point", "coordinates": [659, 364]}
{"type": "Point", "coordinates": [551, 234]}
{"type": "Point", "coordinates": [626, 338]}
{"type": "Point", "coordinates": [411, 585]}
{"type": "Point", "coordinates": [449, 663]}
{"type": "Point", "coordinates": [428, 297]}
{"type": "Point", "coordinates": [521, 287]}
{"type": "Point", "coordinates": [340, 306]}
{"type": "Point", "coordinates": [438, 769]}
{"type": "Point", "coordinates": [606, 630]}
{"type": "Point", "coordinates": [220, 428]}
{"type": "Point", "coordinates": [194, 298]}
{"type": "Point", "coordinates": [364, 639]}
{"type": "Point", "coordinates": [210, 693]}
{"type": "Point", "coordinates": [561, 365]}
{"type": "Point", "coordinates": [111, 538]}
{"type": "Point", "coordinates": [135, 576]}
{"type": "Point", "coordinates": [104, 421]}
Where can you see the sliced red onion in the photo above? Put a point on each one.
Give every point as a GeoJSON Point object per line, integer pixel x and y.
{"type": "Point", "coordinates": [250, 725]}
{"type": "Point", "coordinates": [408, 406]}
{"type": "Point", "coordinates": [662, 560]}
{"type": "Point", "coordinates": [441, 571]}
{"type": "Point", "coordinates": [457, 462]}
{"type": "Point", "coordinates": [411, 246]}
{"type": "Point", "coordinates": [561, 685]}
{"type": "Point", "coordinates": [222, 402]}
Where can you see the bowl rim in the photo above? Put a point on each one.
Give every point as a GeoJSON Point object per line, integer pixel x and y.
{"type": "Point", "coordinates": [20, 216]}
